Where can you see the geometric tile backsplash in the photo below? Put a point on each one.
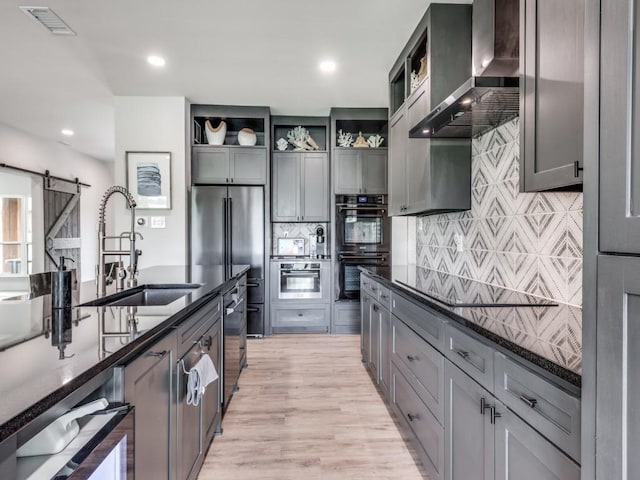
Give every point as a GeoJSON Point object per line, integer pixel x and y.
{"type": "Point", "coordinates": [529, 242]}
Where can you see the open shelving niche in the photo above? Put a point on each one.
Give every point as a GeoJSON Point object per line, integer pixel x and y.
{"type": "Point", "coordinates": [416, 54]}
{"type": "Point", "coordinates": [367, 127]}
{"type": "Point", "coordinates": [318, 128]}
{"type": "Point", "coordinates": [234, 125]}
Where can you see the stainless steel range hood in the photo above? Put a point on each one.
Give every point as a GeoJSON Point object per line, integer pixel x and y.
{"type": "Point", "coordinates": [491, 96]}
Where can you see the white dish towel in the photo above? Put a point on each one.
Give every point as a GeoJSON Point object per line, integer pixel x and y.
{"type": "Point", "coordinates": [202, 374]}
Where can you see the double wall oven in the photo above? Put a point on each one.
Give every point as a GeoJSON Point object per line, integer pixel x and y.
{"type": "Point", "coordinates": [363, 238]}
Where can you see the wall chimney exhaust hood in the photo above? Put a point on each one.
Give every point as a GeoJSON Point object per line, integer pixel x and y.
{"type": "Point", "coordinates": [491, 96]}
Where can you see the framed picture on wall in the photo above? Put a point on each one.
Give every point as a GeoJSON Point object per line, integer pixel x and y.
{"type": "Point", "coordinates": [149, 179]}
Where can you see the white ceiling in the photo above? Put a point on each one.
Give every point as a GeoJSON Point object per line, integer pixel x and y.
{"type": "Point", "coordinates": [250, 52]}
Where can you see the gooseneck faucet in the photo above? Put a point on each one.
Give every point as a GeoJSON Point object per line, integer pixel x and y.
{"type": "Point", "coordinates": [102, 278]}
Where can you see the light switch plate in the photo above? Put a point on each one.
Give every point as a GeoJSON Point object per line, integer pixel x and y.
{"type": "Point", "coordinates": [158, 222]}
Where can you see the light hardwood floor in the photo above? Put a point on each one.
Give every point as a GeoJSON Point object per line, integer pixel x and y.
{"type": "Point", "coordinates": [307, 409]}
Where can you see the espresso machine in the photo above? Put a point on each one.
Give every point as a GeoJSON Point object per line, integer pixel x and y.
{"type": "Point", "coordinates": [321, 245]}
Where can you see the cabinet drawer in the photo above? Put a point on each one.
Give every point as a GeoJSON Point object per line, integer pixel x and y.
{"type": "Point", "coordinates": [384, 297]}
{"type": "Point", "coordinates": [300, 319]}
{"type": "Point", "coordinates": [474, 358]}
{"type": "Point", "coordinates": [423, 321]}
{"type": "Point", "coordinates": [194, 327]}
{"type": "Point", "coordinates": [546, 407]}
{"type": "Point", "coordinates": [369, 286]}
{"type": "Point", "coordinates": [424, 362]}
{"type": "Point", "coordinates": [428, 432]}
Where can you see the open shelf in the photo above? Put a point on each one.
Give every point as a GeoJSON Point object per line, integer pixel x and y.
{"type": "Point", "coordinates": [398, 89]}
{"type": "Point", "coordinates": [234, 125]}
{"type": "Point", "coordinates": [367, 127]}
{"type": "Point", "coordinates": [416, 55]}
{"type": "Point", "coordinates": [318, 128]}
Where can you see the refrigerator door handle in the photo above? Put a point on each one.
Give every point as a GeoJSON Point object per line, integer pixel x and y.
{"type": "Point", "coordinates": [230, 232]}
{"type": "Point", "coordinates": [225, 243]}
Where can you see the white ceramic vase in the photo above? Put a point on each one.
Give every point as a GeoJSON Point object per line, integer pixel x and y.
{"type": "Point", "coordinates": [247, 137]}
{"type": "Point", "coordinates": [215, 136]}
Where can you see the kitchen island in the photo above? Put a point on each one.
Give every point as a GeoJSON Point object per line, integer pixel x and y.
{"type": "Point", "coordinates": [45, 365]}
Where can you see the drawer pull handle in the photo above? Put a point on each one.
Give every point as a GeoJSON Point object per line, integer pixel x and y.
{"type": "Point", "coordinates": [463, 354]}
{"type": "Point", "coordinates": [494, 415]}
{"type": "Point", "coordinates": [375, 307]}
{"type": "Point", "coordinates": [532, 402]}
{"type": "Point", "coordinates": [158, 354]}
{"type": "Point", "coordinates": [412, 417]}
{"type": "Point", "coordinates": [386, 297]}
{"type": "Point", "coordinates": [411, 358]}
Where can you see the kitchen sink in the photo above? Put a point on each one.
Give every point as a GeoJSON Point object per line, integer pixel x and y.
{"type": "Point", "coordinates": [145, 295]}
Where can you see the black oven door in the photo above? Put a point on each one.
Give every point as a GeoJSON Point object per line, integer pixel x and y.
{"type": "Point", "coordinates": [349, 273]}
{"type": "Point", "coordinates": [362, 229]}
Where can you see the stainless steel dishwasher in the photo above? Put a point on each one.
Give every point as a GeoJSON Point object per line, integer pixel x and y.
{"type": "Point", "coordinates": [234, 318]}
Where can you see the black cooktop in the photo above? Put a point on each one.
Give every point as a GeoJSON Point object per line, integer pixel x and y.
{"type": "Point", "coordinates": [459, 292]}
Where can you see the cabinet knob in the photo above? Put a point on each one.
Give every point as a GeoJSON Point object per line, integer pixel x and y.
{"type": "Point", "coordinates": [412, 417]}
{"type": "Point", "coordinates": [411, 358]}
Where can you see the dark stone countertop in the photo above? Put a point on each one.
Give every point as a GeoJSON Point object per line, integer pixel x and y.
{"type": "Point", "coordinates": [415, 282]}
{"type": "Point", "coordinates": [34, 378]}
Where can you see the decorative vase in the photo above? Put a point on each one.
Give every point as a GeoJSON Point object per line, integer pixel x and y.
{"type": "Point", "coordinates": [215, 136]}
{"type": "Point", "coordinates": [247, 137]}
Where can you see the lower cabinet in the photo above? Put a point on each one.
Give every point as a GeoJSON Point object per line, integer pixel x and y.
{"type": "Point", "coordinates": [300, 318]}
{"type": "Point", "coordinates": [470, 430]}
{"type": "Point", "coordinates": [524, 454]}
{"type": "Point", "coordinates": [171, 437]}
{"type": "Point", "coordinates": [149, 387]}
{"type": "Point", "coordinates": [428, 432]}
{"type": "Point", "coordinates": [471, 411]}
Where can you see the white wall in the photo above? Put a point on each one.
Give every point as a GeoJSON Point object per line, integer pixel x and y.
{"type": "Point", "coordinates": [154, 124]}
{"type": "Point", "coordinates": [24, 150]}
{"type": "Point", "coordinates": [403, 240]}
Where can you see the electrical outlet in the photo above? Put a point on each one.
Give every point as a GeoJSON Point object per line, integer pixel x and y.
{"type": "Point", "coordinates": [459, 239]}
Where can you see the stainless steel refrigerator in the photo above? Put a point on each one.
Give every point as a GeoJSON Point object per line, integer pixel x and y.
{"type": "Point", "coordinates": [227, 228]}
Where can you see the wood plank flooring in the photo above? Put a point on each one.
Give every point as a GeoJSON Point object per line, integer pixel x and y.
{"type": "Point", "coordinates": [307, 409]}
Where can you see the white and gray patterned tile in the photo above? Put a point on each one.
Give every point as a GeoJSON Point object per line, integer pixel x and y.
{"type": "Point", "coordinates": [573, 267]}
{"type": "Point", "coordinates": [552, 235]}
{"type": "Point", "coordinates": [574, 234]}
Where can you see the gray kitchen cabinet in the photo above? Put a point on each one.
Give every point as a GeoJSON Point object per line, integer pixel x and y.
{"type": "Point", "coordinates": [315, 187]}
{"type": "Point", "coordinates": [524, 454]}
{"type": "Point", "coordinates": [427, 431]}
{"type": "Point", "coordinates": [552, 86]}
{"type": "Point", "coordinates": [618, 389]}
{"type": "Point", "coordinates": [300, 187]}
{"type": "Point", "coordinates": [149, 386]}
{"type": "Point", "coordinates": [619, 109]}
{"type": "Point", "coordinates": [469, 432]}
{"type": "Point", "coordinates": [285, 175]}
{"type": "Point", "coordinates": [427, 175]}
{"type": "Point", "coordinates": [438, 175]}
{"type": "Point", "coordinates": [229, 165]}
{"type": "Point", "coordinates": [360, 171]}
{"type": "Point", "coordinates": [398, 140]}
{"type": "Point", "coordinates": [386, 336]}
{"type": "Point", "coordinates": [374, 353]}
{"type": "Point", "coordinates": [212, 408]}
{"type": "Point", "coordinates": [365, 328]}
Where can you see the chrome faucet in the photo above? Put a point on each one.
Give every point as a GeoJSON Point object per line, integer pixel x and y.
{"type": "Point", "coordinates": [104, 278]}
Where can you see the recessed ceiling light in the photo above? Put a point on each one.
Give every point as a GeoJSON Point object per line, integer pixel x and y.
{"type": "Point", "coordinates": [67, 132]}
{"type": "Point", "coordinates": [156, 61]}
{"type": "Point", "coordinates": [327, 66]}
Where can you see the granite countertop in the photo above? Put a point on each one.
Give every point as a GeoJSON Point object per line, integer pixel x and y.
{"type": "Point", "coordinates": [43, 363]}
{"type": "Point", "coordinates": [453, 297]}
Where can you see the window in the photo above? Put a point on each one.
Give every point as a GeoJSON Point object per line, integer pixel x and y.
{"type": "Point", "coordinates": [16, 236]}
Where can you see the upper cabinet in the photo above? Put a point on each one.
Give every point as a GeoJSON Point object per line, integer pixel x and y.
{"type": "Point", "coordinates": [435, 61]}
{"type": "Point", "coordinates": [619, 135]}
{"type": "Point", "coordinates": [429, 176]}
{"type": "Point", "coordinates": [358, 168]}
{"type": "Point", "coordinates": [230, 145]}
{"type": "Point", "coordinates": [300, 174]}
{"type": "Point", "coordinates": [551, 103]}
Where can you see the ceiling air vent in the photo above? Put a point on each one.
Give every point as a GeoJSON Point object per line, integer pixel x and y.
{"type": "Point", "coordinates": [48, 19]}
